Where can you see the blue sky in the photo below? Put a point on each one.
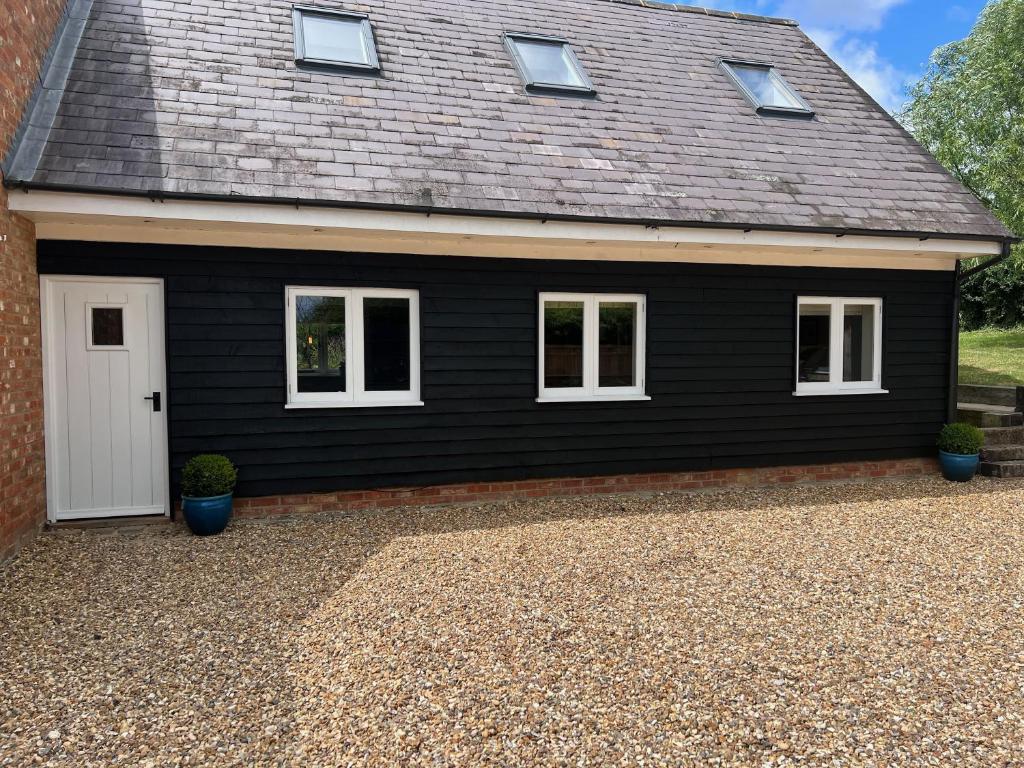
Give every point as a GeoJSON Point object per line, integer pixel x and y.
{"type": "Point", "coordinates": [883, 44]}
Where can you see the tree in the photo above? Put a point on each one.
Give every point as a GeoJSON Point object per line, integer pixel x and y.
{"type": "Point", "coordinates": [968, 111]}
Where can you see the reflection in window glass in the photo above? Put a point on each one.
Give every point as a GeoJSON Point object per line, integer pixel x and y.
{"type": "Point", "coordinates": [107, 327]}
{"type": "Point", "coordinates": [617, 342]}
{"type": "Point", "coordinates": [320, 343]}
{"type": "Point", "coordinates": [814, 336]}
{"type": "Point", "coordinates": [858, 342]}
{"type": "Point", "coordinates": [335, 39]}
{"type": "Point", "coordinates": [386, 344]}
{"type": "Point", "coordinates": [548, 63]}
{"type": "Point", "coordinates": [563, 344]}
{"type": "Point", "coordinates": [765, 86]}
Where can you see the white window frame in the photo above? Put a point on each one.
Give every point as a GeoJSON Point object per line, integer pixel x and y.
{"type": "Point", "coordinates": [355, 394]}
{"type": "Point", "coordinates": [590, 391]}
{"type": "Point", "coordinates": [802, 108]}
{"type": "Point", "coordinates": [301, 12]}
{"type": "Point", "coordinates": [512, 41]}
{"type": "Point", "coordinates": [835, 385]}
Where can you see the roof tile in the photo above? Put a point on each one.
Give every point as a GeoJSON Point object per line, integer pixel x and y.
{"type": "Point", "coordinates": [204, 97]}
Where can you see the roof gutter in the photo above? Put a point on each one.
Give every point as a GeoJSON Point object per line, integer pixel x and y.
{"type": "Point", "coordinates": [428, 210]}
{"type": "Point", "coordinates": [1007, 252]}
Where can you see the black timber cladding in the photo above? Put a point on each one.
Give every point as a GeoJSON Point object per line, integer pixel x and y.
{"type": "Point", "coordinates": [720, 368]}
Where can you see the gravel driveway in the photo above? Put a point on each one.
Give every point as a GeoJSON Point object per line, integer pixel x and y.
{"type": "Point", "coordinates": [872, 624]}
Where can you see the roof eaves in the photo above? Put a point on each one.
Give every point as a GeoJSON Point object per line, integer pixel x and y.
{"type": "Point", "coordinates": [837, 231]}
{"type": "Point", "coordinates": [708, 12]}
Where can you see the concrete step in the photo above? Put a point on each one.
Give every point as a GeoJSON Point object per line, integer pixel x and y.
{"type": "Point", "coordinates": [998, 453]}
{"type": "Point", "coordinates": [1002, 468]}
{"type": "Point", "coordinates": [982, 415]}
{"type": "Point", "coordinates": [1004, 436]}
{"type": "Point", "coordinates": [977, 393]}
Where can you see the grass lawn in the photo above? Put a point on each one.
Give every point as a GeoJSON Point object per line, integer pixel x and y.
{"type": "Point", "coordinates": [992, 356]}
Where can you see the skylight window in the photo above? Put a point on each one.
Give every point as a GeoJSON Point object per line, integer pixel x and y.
{"type": "Point", "coordinates": [548, 64]}
{"type": "Point", "coordinates": [767, 90]}
{"type": "Point", "coordinates": [334, 39]}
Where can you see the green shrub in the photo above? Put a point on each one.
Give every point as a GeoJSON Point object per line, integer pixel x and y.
{"type": "Point", "coordinates": [965, 439]}
{"type": "Point", "coordinates": [208, 475]}
{"type": "Point", "coordinates": [995, 298]}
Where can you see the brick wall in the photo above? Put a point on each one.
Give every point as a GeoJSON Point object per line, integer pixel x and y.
{"type": "Point", "coordinates": [581, 486]}
{"type": "Point", "coordinates": [26, 28]}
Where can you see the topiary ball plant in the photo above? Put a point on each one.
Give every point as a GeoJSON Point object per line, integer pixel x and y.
{"type": "Point", "coordinates": [961, 439]}
{"type": "Point", "coordinates": [208, 475]}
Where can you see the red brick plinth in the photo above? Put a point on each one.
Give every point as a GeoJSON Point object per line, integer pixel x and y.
{"type": "Point", "coordinates": [578, 486]}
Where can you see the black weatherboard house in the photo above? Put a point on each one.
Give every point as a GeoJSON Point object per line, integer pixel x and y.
{"type": "Point", "coordinates": [367, 245]}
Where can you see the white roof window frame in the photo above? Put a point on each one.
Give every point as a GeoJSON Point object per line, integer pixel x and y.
{"type": "Point", "coordinates": [372, 64]}
{"type": "Point", "coordinates": [540, 86]}
{"type": "Point", "coordinates": [803, 110]}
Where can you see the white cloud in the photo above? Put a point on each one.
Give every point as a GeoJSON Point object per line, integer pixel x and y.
{"type": "Point", "coordinates": [855, 16]}
{"type": "Point", "coordinates": [838, 26]}
{"type": "Point", "coordinates": [848, 15]}
{"type": "Point", "coordinates": [841, 28]}
{"type": "Point", "coordinates": [886, 83]}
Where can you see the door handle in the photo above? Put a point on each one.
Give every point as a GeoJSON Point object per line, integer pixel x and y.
{"type": "Point", "coordinates": [155, 397]}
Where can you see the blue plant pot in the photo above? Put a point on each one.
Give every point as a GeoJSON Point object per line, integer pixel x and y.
{"type": "Point", "coordinates": [207, 516]}
{"type": "Point", "coordinates": [957, 467]}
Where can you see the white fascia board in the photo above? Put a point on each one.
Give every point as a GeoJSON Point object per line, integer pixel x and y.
{"type": "Point", "coordinates": [68, 216]}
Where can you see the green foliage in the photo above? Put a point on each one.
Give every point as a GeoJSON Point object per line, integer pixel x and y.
{"type": "Point", "coordinates": [968, 111]}
{"type": "Point", "coordinates": [208, 475]}
{"type": "Point", "coordinates": [995, 298]}
{"type": "Point", "coordinates": [961, 438]}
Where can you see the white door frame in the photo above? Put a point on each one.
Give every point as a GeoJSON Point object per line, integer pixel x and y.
{"type": "Point", "coordinates": [46, 282]}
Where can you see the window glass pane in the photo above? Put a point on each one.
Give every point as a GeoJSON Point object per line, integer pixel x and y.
{"type": "Point", "coordinates": [107, 327]}
{"type": "Point", "coordinates": [548, 63]}
{"type": "Point", "coordinates": [765, 86]}
{"type": "Point", "coordinates": [563, 344]}
{"type": "Point", "coordinates": [320, 354]}
{"type": "Point", "coordinates": [334, 39]}
{"type": "Point", "coordinates": [386, 344]}
{"type": "Point", "coordinates": [859, 342]}
{"type": "Point", "coordinates": [814, 343]}
{"type": "Point", "coordinates": [617, 344]}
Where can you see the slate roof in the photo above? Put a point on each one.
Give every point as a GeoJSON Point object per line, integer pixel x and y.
{"type": "Point", "coordinates": [204, 97]}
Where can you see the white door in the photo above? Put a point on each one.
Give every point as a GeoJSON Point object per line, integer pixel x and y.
{"type": "Point", "coordinates": [105, 393]}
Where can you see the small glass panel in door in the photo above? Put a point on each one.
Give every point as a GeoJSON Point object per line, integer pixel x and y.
{"type": "Point", "coordinates": [107, 326]}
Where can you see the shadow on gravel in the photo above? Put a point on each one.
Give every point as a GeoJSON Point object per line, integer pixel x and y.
{"type": "Point", "coordinates": [598, 631]}
{"type": "Point", "coordinates": [159, 646]}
